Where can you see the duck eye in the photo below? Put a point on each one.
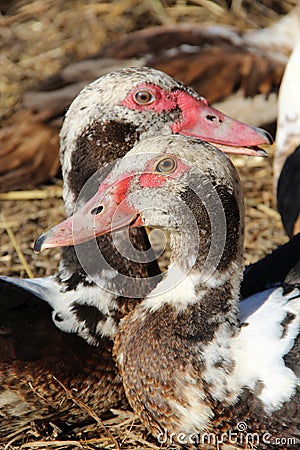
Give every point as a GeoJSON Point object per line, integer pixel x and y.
{"type": "Point", "coordinates": [166, 165]}
{"type": "Point", "coordinates": [144, 97]}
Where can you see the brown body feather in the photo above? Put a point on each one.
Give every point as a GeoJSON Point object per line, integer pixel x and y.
{"type": "Point", "coordinates": [36, 357]}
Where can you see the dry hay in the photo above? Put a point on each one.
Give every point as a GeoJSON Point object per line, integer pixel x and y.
{"type": "Point", "coordinates": [38, 38]}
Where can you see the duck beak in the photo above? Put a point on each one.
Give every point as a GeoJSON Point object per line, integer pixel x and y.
{"type": "Point", "coordinates": [229, 135]}
{"type": "Point", "coordinates": [102, 214]}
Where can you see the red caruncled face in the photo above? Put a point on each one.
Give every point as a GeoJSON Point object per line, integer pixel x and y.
{"type": "Point", "coordinates": [109, 209]}
{"type": "Point", "coordinates": [197, 118]}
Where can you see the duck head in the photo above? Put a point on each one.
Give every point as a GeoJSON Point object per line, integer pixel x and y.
{"type": "Point", "coordinates": [118, 110]}
{"type": "Point", "coordinates": [178, 183]}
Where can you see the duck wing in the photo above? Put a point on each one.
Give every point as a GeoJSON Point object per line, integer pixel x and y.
{"type": "Point", "coordinates": [37, 360]}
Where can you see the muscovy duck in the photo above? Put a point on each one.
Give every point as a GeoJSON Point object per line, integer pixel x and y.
{"type": "Point", "coordinates": [194, 360]}
{"type": "Point", "coordinates": [103, 123]}
{"type": "Point", "coordinates": [106, 119]}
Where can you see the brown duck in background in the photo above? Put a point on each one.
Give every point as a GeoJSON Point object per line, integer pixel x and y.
{"type": "Point", "coordinates": [216, 60]}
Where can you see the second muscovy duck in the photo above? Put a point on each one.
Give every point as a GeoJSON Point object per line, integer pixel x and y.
{"type": "Point", "coordinates": [193, 364]}
{"type": "Point", "coordinates": [108, 117]}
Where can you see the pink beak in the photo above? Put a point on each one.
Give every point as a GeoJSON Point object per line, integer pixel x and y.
{"type": "Point", "coordinates": [107, 211]}
{"type": "Point", "coordinates": [229, 135]}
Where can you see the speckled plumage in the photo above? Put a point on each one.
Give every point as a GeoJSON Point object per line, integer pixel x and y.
{"type": "Point", "coordinates": [187, 364]}
{"type": "Point", "coordinates": [97, 130]}
{"type": "Point", "coordinates": [36, 356]}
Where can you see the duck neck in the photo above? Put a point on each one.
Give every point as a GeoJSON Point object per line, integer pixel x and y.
{"type": "Point", "coordinates": [200, 315]}
{"type": "Point", "coordinates": [206, 265]}
{"type": "Point", "coordinates": [203, 280]}
{"type": "Point", "coordinates": [208, 304]}
{"type": "Point", "coordinates": [190, 325]}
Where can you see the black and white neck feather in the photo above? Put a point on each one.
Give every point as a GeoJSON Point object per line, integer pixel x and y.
{"type": "Point", "coordinates": [190, 360]}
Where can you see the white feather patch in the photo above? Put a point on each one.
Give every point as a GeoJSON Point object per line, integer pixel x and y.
{"type": "Point", "coordinates": [177, 289]}
{"type": "Point", "coordinates": [256, 110]}
{"type": "Point", "coordinates": [62, 303]}
{"type": "Point", "coordinates": [260, 346]}
{"type": "Point", "coordinates": [193, 411]}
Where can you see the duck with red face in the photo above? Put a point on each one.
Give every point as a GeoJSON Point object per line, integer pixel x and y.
{"type": "Point", "coordinates": [186, 362]}
{"type": "Point", "coordinates": [104, 122]}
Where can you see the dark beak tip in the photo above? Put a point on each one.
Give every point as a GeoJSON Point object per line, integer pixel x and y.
{"type": "Point", "coordinates": [38, 244]}
{"type": "Point", "coordinates": [267, 136]}
{"type": "Point", "coordinates": [262, 153]}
